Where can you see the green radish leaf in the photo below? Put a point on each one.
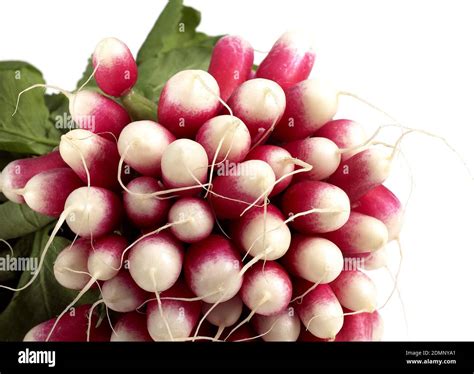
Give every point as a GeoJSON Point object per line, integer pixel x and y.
{"type": "Point", "coordinates": [29, 130]}
{"type": "Point", "coordinates": [45, 298]}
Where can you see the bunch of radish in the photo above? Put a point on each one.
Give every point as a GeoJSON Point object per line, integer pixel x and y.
{"type": "Point", "coordinates": [237, 216]}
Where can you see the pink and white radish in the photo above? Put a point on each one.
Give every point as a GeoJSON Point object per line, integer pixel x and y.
{"type": "Point", "coordinates": [282, 327]}
{"type": "Point", "coordinates": [224, 314]}
{"type": "Point", "coordinates": [361, 327]}
{"type": "Point", "coordinates": [355, 291]}
{"type": "Point", "coordinates": [231, 63]}
{"type": "Point", "coordinates": [131, 327]}
{"type": "Point", "coordinates": [290, 60]}
{"type": "Point", "coordinates": [189, 98]}
{"type": "Point", "coordinates": [115, 69]}
{"type": "Point", "coordinates": [70, 267]}
{"type": "Point", "coordinates": [122, 294]}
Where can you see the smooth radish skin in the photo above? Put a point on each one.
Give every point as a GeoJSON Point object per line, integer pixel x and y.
{"type": "Point", "coordinates": [263, 232]}
{"type": "Point", "coordinates": [100, 155]}
{"type": "Point", "coordinates": [355, 291]}
{"type": "Point", "coordinates": [224, 137]}
{"type": "Point", "coordinates": [319, 311]}
{"type": "Point", "coordinates": [361, 327]}
{"type": "Point", "coordinates": [17, 173]}
{"type": "Point", "coordinates": [212, 269]}
{"type": "Point", "coordinates": [141, 145]}
{"type": "Point", "coordinates": [122, 294]}
{"type": "Point", "coordinates": [71, 328]}
{"type": "Point", "coordinates": [47, 191]}
{"type": "Point", "coordinates": [183, 164]}
{"type": "Point", "coordinates": [155, 262]}
{"type": "Point", "coordinates": [309, 105]}
{"type": "Point", "coordinates": [362, 172]}
{"type": "Point", "coordinates": [189, 98]}
{"type": "Point", "coordinates": [247, 182]}
{"type": "Point", "coordinates": [376, 260]}
{"type": "Point", "coordinates": [105, 257]}
{"type": "Point", "coordinates": [346, 134]}
{"type": "Point", "coordinates": [143, 209]}
{"type": "Point", "coordinates": [282, 327]}
{"type": "Point", "coordinates": [224, 314]}
{"type": "Point", "coordinates": [115, 68]}
{"type": "Point", "coordinates": [196, 217]}
{"type": "Point", "coordinates": [316, 207]}
{"type": "Point", "coordinates": [231, 63]}
{"type": "Point", "coordinates": [290, 60]}
{"type": "Point", "coordinates": [131, 327]}
{"type": "Point", "coordinates": [259, 103]}
{"type": "Point", "coordinates": [244, 333]}
{"type": "Point", "coordinates": [314, 259]}
{"type": "Point", "coordinates": [360, 234]}
{"type": "Point", "coordinates": [321, 153]}
{"type": "Point", "coordinates": [178, 316]}
{"type": "Point", "coordinates": [70, 267]}
{"type": "Point", "coordinates": [382, 204]}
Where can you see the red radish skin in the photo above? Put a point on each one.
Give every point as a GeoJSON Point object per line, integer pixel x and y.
{"type": "Point", "coordinates": [280, 161]}
{"type": "Point", "coordinates": [248, 233]}
{"type": "Point", "coordinates": [259, 103]}
{"type": "Point", "coordinates": [225, 133]}
{"type": "Point", "coordinates": [355, 291]}
{"type": "Point", "coordinates": [308, 195]}
{"type": "Point", "coordinates": [122, 294]}
{"type": "Point", "coordinates": [73, 257]}
{"type": "Point", "coordinates": [247, 182]}
{"type": "Point", "coordinates": [181, 316]}
{"type": "Point", "coordinates": [244, 333]}
{"type": "Point", "coordinates": [131, 327]}
{"type": "Point", "coordinates": [97, 113]}
{"type": "Point", "coordinates": [360, 234]}
{"type": "Point", "coordinates": [231, 63]}
{"type": "Point", "coordinates": [212, 269]}
{"type": "Point", "coordinates": [382, 204]}
{"type": "Point", "coordinates": [309, 105]}
{"type": "Point", "coordinates": [143, 210]}
{"type": "Point", "coordinates": [196, 217]}
{"type": "Point", "coordinates": [105, 257]}
{"type": "Point", "coordinates": [317, 260]}
{"type": "Point", "coordinates": [306, 336]}
{"type": "Point", "coordinates": [115, 68]}
{"type": "Point", "coordinates": [47, 191]}
{"type": "Point", "coordinates": [322, 154]}
{"type": "Point", "coordinates": [282, 327]}
{"type": "Point", "coordinates": [290, 60]}
{"type": "Point", "coordinates": [362, 172]}
{"type": "Point", "coordinates": [71, 328]}
{"type": "Point", "coordinates": [99, 154]}
{"type": "Point", "coordinates": [361, 327]}
{"type": "Point", "coordinates": [189, 98]}
{"type": "Point", "coordinates": [17, 173]}
{"type": "Point", "coordinates": [266, 289]}
{"type": "Point", "coordinates": [345, 133]}
{"type": "Point", "coordinates": [319, 311]}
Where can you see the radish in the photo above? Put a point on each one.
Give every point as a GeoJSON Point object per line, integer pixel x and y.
{"type": "Point", "coordinates": [346, 134]}
{"type": "Point", "coordinates": [70, 267]}
{"type": "Point", "coordinates": [131, 327]}
{"type": "Point", "coordinates": [195, 215]}
{"type": "Point", "coordinates": [360, 234]}
{"type": "Point", "coordinates": [259, 103]}
{"type": "Point", "coordinates": [231, 63]}
{"type": "Point", "coordinates": [317, 260]}
{"type": "Point", "coordinates": [361, 327]}
{"type": "Point", "coordinates": [72, 328]}
{"type": "Point", "coordinates": [375, 260]}
{"type": "Point", "coordinates": [290, 60]}
{"type": "Point", "coordinates": [173, 318]}
{"type": "Point", "coordinates": [263, 231]}
{"type": "Point", "coordinates": [322, 154]}
{"type": "Point", "coordinates": [244, 333]}
{"type": "Point", "coordinates": [189, 98]}
{"type": "Point", "coordinates": [224, 314]}
{"type": "Point", "coordinates": [362, 172]}
{"type": "Point", "coordinates": [141, 145]}
{"type": "Point", "coordinates": [17, 173]}
{"type": "Point", "coordinates": [122, 294]}
{"type": "Point", "coordinates": [316, 207]}
{"type": "Point", "coordinates": [236, 188]}
{"type": "Point", "coordinates": [282, 327]}
{"type": "Point", "coordinates": [115, 70]}
{"type": "Point", "coordinates": [382, 204]}
{"type": "Point", "coordinates": [319, 310]}
{"type": "Point", "coordinates": [224, 137]}
{"type": "Point", "coordinates": [143, 209]}
{"type": "Point", "coordinates": [309, 105]}
{"type": "Point", "coordinates": [93, 158]}
{"type": "Point", "coordinates": [355, 291]}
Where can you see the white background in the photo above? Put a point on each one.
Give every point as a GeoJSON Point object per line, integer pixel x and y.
{"type": "Point", "coordinates": [413, 58]}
